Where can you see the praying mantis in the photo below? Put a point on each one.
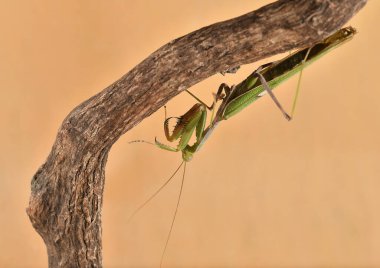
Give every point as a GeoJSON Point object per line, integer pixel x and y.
{"type": "Point", "coordinates": [236, 98]}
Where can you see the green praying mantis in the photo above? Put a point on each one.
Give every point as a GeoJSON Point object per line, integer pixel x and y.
{"type": "Point", "coordinates": [233, 100]}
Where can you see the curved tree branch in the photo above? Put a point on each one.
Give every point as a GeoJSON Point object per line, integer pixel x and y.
{"type": "Point", "coordinates": [67, 191]}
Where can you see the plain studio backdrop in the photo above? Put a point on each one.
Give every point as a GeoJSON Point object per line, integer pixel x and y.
{"type": "Point", "coordinates": [262, 192]}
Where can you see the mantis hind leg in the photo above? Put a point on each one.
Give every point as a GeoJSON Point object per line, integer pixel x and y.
{"type": "Point", "coordinates": [269, 90]}
{"type": "Point", "coordinates": [298, 84]}
{"type": "Point", "coordinates": [270, 93]}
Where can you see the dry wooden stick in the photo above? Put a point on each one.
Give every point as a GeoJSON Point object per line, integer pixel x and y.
{"type": "Point", "coordinates": [67, 191]}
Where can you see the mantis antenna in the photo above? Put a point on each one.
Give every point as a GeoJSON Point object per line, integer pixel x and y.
{"type": "Point", "coordinates": [175, 213]}
{"type": "Point", "coordinates": [157, 191]}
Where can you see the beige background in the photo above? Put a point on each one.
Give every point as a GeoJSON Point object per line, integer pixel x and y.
{"type": "Point", "coordinates": [261, 193]}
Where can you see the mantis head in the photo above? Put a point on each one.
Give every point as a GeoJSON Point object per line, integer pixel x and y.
{"type": "Point", "coordinates": [187, 155]}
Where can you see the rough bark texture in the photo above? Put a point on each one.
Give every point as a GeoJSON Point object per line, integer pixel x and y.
{"type": "Point", "coordinates": [67, 191]}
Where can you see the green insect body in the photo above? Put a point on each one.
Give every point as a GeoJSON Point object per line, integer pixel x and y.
{"type": "Point", "coordinates": [233, 100]}
{"type": "Point", "coordinates": [277, 72]}
{"type": "Point", "coordinates": [238, 97]}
